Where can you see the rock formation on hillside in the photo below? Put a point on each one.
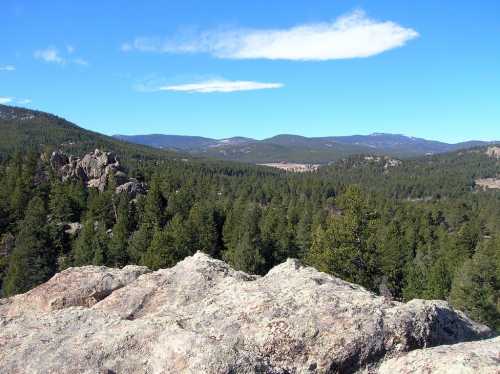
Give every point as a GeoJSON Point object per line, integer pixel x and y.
{"type": "Point", "coordinates": [493, 152]}
{"type": "Point", "coordinates": [94, 169]}
{"type": "Point", "coordinates": [6, 244]}
{"type": "Point", "coordinates": [201, 316]}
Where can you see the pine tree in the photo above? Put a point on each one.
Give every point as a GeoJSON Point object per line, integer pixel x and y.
{"type": "Point", "coordinates": [304, 233]}
{"type": "Point", "coordinates": [278, 237]}
{"type": "Point", "coordinates": [91, 246]}
{"type": "Point", "coordinates": [245, 253]}
{"type": "Point", "coordinates": [319, 255]}
{"type": "Point", "coordinates": [32, 261]}
{"type": "Point", "coordinates": [59, 204]}
{"type": "Point", "coordinates": [202, 229]}
{"type": "Point", "coordinates": [139, 242]}
{"type": "Point", "coordinates": [346, 247]}
{"type": "Point", "coordinates": [154, 204]}
{"type": "Point", "coordinates": [117, 252]}
{"type": "Point", "coordinates": [169, 245]}
{"type": "Point", "coordinates": [393, 256]}
{"type": "Point", "coordinates": [476, 286]}
{"type": "Point", "coordinates": [100, 243]}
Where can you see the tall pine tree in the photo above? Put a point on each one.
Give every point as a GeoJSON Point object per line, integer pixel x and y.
{"type": "Point", "coordinates": [33, 260]}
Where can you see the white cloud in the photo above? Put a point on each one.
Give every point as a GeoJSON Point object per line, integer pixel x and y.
{"type": "Point", "coordinates": [49, 54]}
{"type": "Point", "coordinates": [7, 68]}
{"type": "Point", "coordinates": [13, 100]}
{"type": "Point", "coordinates": [350, 36]}
{"type": "Point", "coordinates": [53, 55]}
{"type": "Point", "coordinates": [5, 100]}
{"type": "Point", "coordinates": [220, 86]}
{"type": "Point", "coordinates": [126, 47]}
{"type": "Point", "coordinates": [81, 62]}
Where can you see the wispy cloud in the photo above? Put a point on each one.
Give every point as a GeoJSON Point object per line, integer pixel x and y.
{"type": "Point", "coordinates": [219, 85]}
{"type": "Point", "coordinates": [353, 35]}
{"type": "Point", "coordinates": [81, 62]}
{"type": "Point", "coordinates": [49, 54]}
{"type": "Point", "coordinates": [54, 55]}
{"type": "Point", "coordinates": [7, 68]}
{"type": "Point", "coordinates": [13, 100]}
{"type": "Point", "coordinates": [22, 101]}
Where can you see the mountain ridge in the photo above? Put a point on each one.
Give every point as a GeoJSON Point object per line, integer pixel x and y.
{"type": "Point", "coordinates": [25, 129]}
{"type": "Point", "coordinates": [298, 148]}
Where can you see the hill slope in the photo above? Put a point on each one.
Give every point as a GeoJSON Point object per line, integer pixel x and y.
{"type": "Point", "coordinates": [24, 129]}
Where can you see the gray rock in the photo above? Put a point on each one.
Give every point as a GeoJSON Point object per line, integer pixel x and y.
{"type": "Point", "coordinates": [94, 169]}
{"type": "Point", "coordinates": [201, 316]}
{"type": "Point", "coordinates": [493, 152]}
{"type": "Point", "coordinates": [482, 357]}
{"type": "Point", "coordinates": [58, 160]}
{"type": "Point", "coordinates": [133, 188]}
{"type": "Point", "coordinates": [7, 241]}
{"type": "Point", "coordinates": [83, 286]}
{"type": "Point", "coordinates": [72, 228]}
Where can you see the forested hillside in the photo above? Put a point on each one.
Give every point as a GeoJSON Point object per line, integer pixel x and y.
{"type": "Point", "coordinates": [24, 129]}
{"type": "Point", "coordinates": [416, 229]}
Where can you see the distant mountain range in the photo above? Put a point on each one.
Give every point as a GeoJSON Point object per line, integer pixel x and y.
{"type": "Point", "coordinates": [295, 148]}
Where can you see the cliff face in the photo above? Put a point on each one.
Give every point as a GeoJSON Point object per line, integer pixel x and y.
{"type": "Point", "coordinates": [201, 316]}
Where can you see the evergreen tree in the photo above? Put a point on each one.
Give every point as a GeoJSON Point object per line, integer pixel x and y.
{"type": "Point", "coordinates": [393, 256]}
{"type": "Point", "coordinates": [346, 248]}
{"type": "Point", "coordinates": [32, 261]}
{"type": "Point", "coordinates": [476, 286]}
{"type": "Point", "coordinates": [83, 251]}
{"type": "Point", "coordinates": [168, 246]}
{"type": "Point", "coordinates": [201, 224]}
{"type": "Point", "coordinates": [91, 246]}
{"type": "Point", "coordinates": [154, 204]}
{"type": "Point", "coordinates": [100, 243]}
{"type": "Point", "coordinates": [245, 253]}
{"type": "Point", "coordinates": [117, 252]}
{"type": "Point", "coordinates": [304, 232]}
{"type": "Point", "coordinates": [59, 204]}
{"type": "Point", "coordinates": [139, 242]}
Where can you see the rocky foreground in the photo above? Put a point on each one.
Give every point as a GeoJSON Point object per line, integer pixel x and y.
{"type": "Point", "coordinates": [201, 316]}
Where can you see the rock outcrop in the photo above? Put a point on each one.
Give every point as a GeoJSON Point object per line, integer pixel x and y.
{"type": "Point", "coordinates": [201, 316]}
{"type": "Point", "coordinates": [6, 244]}
{"type": "Point", "coordinates": [488, 183]}
{"type": "Point", "coordinates": [133, 188]}
{"type": "Point", "coordinates": [493, 151]}
{"type": "Point", "coordinates": [94, 169]}
{"type": "Point", "coordinates": [482, 357]}
{"type": "Point", "coordinates": [84, 286]}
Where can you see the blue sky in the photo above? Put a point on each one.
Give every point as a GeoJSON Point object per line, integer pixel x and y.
{"type": "Point", "coordinates": [224, 68]}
